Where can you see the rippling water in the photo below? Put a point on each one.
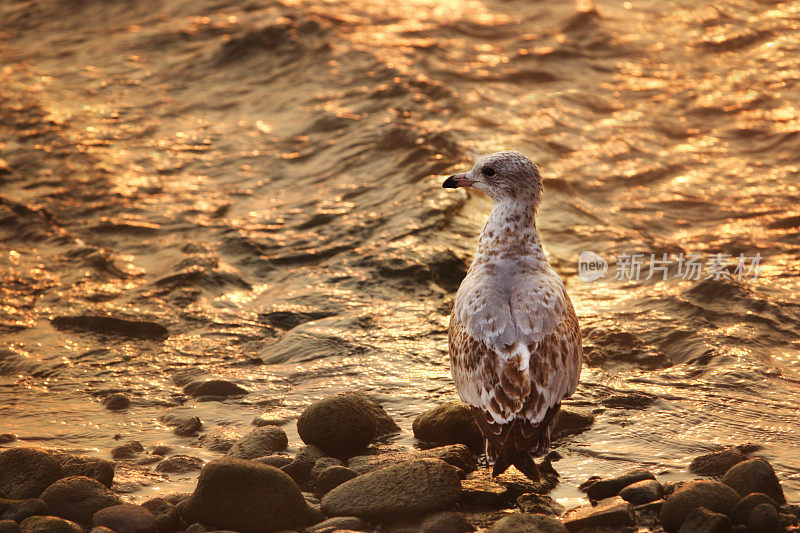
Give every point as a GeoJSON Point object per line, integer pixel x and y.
{"type": "Point", "coordinates": [262, 178]}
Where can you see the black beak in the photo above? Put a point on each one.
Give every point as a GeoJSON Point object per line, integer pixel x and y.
{"type": "Point", "coordinates": [455, 181]}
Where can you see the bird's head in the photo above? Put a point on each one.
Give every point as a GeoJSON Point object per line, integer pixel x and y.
{"type": "Point", "coordinates": [506, 175]}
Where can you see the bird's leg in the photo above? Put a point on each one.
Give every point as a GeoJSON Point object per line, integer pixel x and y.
{"type": "Point", "coordinates": [547, 463]}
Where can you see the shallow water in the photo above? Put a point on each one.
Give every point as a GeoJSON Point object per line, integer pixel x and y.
{"type": "Point", "coordinates": [262, 178]}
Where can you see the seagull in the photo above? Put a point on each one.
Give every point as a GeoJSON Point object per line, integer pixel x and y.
{"type": "Point", "coordinates": [515, 345]}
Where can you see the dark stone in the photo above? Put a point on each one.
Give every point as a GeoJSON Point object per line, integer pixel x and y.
{"type": "Point", "coordinates": [49, 524]}
{"type": "Point", "coordinates": [128, 450]}
{"type": "Point", "coordinates": [572, 420]}
{"type": "Point", "coordinates": [609, 513]}
{"type": "Point", "coordinates": [716, 463]}
{"type": "Point", "coordinates": [540, 504]}
{"type": "Point", "coordinates": [81, 465]}
{"type": "Point", "coordinates": [102, 529]}
{"type": "Point", "coordinates": [340, 425]}
{"type": "Point", "coordinates": [177, 497]}
{"type": "Point", "coordinates": [77, 498]}
{"type": "Point", "coordinates": [712, 495]}
{"type": "Point", "coordinates": [332, 477]}
{"type": "Point", "coordinates": [19, 510]}
{"type": "Point", "coordinates": [763, 519]}
{"type": "Point", "coordinates": [180, 464]}
{"type": "Point", "coordinates": [5, 438]}
{"type": "Point", "coordinates": [754, 475]}
{"type": "Point", "coordinates": [26, 472]}
{"type": "Point", "coordinates": [136, 329]}
{"type": "Point", "coordinates": [701, 520]}
{"type": "Point", "coordinates": [417, 486]}
{"type": "Point", "coordinates": [606, 488]}
{"type": "Point", "coordinates": [321, 464]}
{"type": "Point", "coordinates": [126, 518]}
{"type": "Point", "coordinates": [215, 388]}
{"type": "Point", "coordinates": [457, 455]}
{"type": "Point", "coordinates": [339, 523]}
{"type": "Point", "coordinates": [161, 450]}
{"type": "Point", "coordinates": [741, 511]}
{"type": "Point", "coordinates": [445, 522]}
{"type": "Point", "coordinates": [245, 496]}
{"type": "Point", "coordinates": [9, 526]}
{"type": "Point", "coordinates": [258, 443]}
{"type": "Point", "coordinates": [527, 523]}
{"type": "Point", "coordinates": [219, 440]}
{"type": "Point", "coordinates": [116, 402]}
{"type": "Point", "coordinates": [646, 491]}
{"type": "Point", "coordinates": [449, 423]}
{"type": "Point", "coordinates": [514, 481]}
{"type": "Point", "coordinates": [276, 460]}
{"type": "Point", "coordinates": [167, 517]}
{"type": "Point", "coordinates": [188, 427]}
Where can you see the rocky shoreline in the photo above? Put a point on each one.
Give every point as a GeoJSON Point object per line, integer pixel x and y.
{"type": "Point", "coordinates": [340, 481]}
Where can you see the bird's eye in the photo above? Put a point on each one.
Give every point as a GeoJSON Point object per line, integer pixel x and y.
{"type": "Point", "coordinates": [489, 171]}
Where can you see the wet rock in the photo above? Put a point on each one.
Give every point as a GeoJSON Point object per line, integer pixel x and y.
{"type": "Point", "coordinates": [515, 482]}
{"type": "Point", "coordinates": [540, 504]}
{"type": "Point", "coordinates": [259, 442]}
{"type": "Point", "coordinates": [321, 464]}
{"type": "Point", "coordinates": [457, 455]}
{"type": "Point", "coordinates": [716, 463]}
{"type": "Point", "coordinates": [701, 520]}
{"type": "Point", "coordinates": [300, 468]}
{"type": "Point", "coordinates": [48, 524]}
{"type": "Point", "coordinates": [449, 423]}
{"type": "Point", "coordinates": [161, 450]}
{"type": "Point", "coordinates": [180, 464]}
{"type": "Point", "coordinates": [135, 329]}
{"type": "Point", "coordinates": [606, 488]}
{"type": "Point", "coordinates": [340, 425]}
{"type": "Point", "coordinates": [384, 423]}
{"type": "Point", "coordinates": [276, 460]}
{"type": "Point", "coordinates": [332, 477]}
{"type": "Point", "coordinates": [763, 519]}
{"type": "Point", "coordinates": [646, 491]}
{"type": "Point", "coordinates": [267, 420]}
{"type": "Point", "coordinates": [77, 498]}
{"type": "Point", "coordinates": [126, 518]}
{"type": "Point", "coordinates": [128, 450]}
{"type": "Point", "coordinates": [116, 402]}
{"type": "Point", "coordinates": [417, 486]}
{"type": "Point", "coordinates": [9, 526]}
{"type": "Point", "coordinates": [177, 497]}
{"type": "Point", "coordinates": [102, 529]}
{"type": "Point", "coordinates": [214, 388]}
{"type": "Point", "coordinates": [245, 496]}
{"type": "Point", "coordinates": [167, 517]}
{"type": "Point", "coordinates": [712, 495]}
{"type": "Point", "coordinates": [609, 513]}
{"type": "Point", "coordinates": [527, 523]}
{"type": "Point", "coordinates": [482, 492]}
{"type": "Point", "coordinates": [741, 511]}
{"type": "Point", "coordinates": [572, 420]}
{"type": "Point", "coordinates": [81, 465]}
{"type": "Point", "coordinates": [754, 475]}
{"type": "Point", "coordinates": [5, 438]}
{"type": "Point", "coordinates": [26, 472]}
{"type": "Point", "coordinates": [219, 439]}
{"type": "Point", "coordinates": [188, 427]}
{"type": "Point", "coordinates": [445, 522]}
{"type": "Point", "coordinates": [19, 510]}
{"type": "Point", "coordinates": [339, 523]}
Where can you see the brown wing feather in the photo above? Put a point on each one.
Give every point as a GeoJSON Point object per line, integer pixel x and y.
{"type": "Point", "coordinates": [528, 399]}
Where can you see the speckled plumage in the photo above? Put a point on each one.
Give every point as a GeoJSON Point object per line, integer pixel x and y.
{"type": "Point", "coordinates": [514, 339]}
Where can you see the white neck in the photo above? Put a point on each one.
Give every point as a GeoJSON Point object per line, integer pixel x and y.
{"type": "Point", "coordinates": [510, 233]}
